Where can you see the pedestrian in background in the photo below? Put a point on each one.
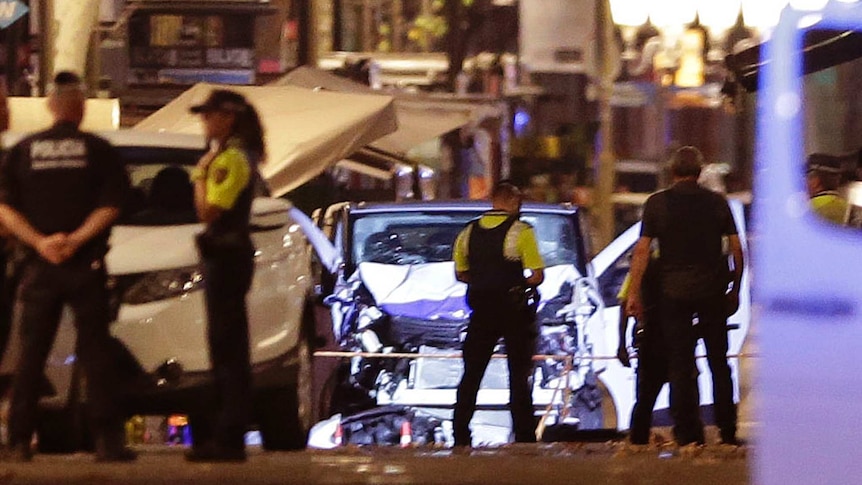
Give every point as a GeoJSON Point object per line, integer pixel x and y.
{"type": "Point", "coordinates": [689, 222]}
{"type": "Point", "coordinates": [490, 255]}
{"type": "Point", "coordinates": [60, 192]}
{"type": "Point", "coordinates": [224, 183]}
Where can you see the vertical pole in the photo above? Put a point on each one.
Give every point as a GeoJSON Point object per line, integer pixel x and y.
{"type": "Point", "coordinates": [602, 209]}
{"type": "Point", "coordinates": [367, 26]}
{"type": "Point", "coordinates": [397, 26]}
{"type": "Point", "coordinates": [13, 38]}
{"type": "Point", "coordinates": [46, 44]}
{"type": "Point", "coordinates": [307, 16]}
{"type": "Point", "coordinates": [455, 41]}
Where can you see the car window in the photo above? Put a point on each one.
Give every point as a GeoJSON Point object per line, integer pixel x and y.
{"type": "Point", "coordinates": [428, 237]}
{"type": "Point", "coordinates": [161, 192]}
{"type": "Point", "coordinates": [555, 235]}
{"type": "Point", "coordinates": [407, 237]}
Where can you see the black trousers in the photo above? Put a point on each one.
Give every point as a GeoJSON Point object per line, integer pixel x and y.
{"type": "Point", "coordinates": [43, 291]}
{"type": "Point", "coordinates": [227, 276]}
{"type": "Point", "coordinates": [680, 338]}
{"type": "Point", "coordinates": [493, 318]}
{"type": "Point", "coordinates": [652, 374]}
{"type": "Point", "coordinates": [713, 329]}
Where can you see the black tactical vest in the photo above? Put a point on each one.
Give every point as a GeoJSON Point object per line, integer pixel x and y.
{"type": "Point", "coordinates": [490, 271]}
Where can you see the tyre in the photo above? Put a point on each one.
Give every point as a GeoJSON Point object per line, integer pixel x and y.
{"type": "Point", "coordinates": [609, 409]}
{"type": "Point", "coordinates": [284, 414]}
{"type": "Point", "coordinates": [593, 405]}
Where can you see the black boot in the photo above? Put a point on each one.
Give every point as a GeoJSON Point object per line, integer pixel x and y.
{"type": "Point", "coordinates": [111, 447]}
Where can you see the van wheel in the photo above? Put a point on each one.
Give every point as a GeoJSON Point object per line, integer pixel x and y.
{"type": "Point", "coordinates": [609, 409]}
{"type": "Point", "coordinates": [594, 406]}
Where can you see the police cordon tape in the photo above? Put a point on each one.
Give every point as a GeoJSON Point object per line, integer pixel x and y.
{"type": "Point", "coordinates": [537, 357]}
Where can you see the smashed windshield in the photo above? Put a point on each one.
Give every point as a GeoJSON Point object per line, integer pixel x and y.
{"type": "Point", "coordinates": [415, 237]}
{"type": "Point", "coordinates": [161, 192]}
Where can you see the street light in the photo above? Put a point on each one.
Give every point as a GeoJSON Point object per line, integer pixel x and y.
{"type": "Point", "coordinates": [673, 17]}
{"type": "Point", "coordinates": [808, 5]}
{"type": "Point", "coordinates": [718, 18]}
{"type": "Point", "coordinates": [762, 15]}
{"type": "Point", "coordinates": [630, 15]}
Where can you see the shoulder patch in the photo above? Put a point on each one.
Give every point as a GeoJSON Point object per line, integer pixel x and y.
{"type": "Point", "coordinates": [220, 175]}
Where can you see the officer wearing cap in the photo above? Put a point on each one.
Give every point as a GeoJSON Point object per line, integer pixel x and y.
{"type": "Point", "coordinates": [490, 255]}
{"type": "Point", "coordinates": [224, 183]}
{"type": "Point", "coordinates": [823, 177]}
{"type": "Point", "coordinates": [60, 192]}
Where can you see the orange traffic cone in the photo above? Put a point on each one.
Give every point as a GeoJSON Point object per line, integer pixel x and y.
{"type": "Point", "coordinates": [406, 434]}
{"type": "Point", "coordinates": [338, 436]}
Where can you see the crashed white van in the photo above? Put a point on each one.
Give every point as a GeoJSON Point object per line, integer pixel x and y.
{"type": "Point", "coordinates": [394, 295]}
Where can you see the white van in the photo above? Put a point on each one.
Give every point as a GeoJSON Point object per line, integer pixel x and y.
{"type": "Point", "coordinates": [395, 293]}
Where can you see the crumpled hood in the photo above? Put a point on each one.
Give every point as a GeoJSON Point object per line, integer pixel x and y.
{"type": "Point", "coordinates": [430, 291]}
{"type": "Point", "coordinates": [146, 248]}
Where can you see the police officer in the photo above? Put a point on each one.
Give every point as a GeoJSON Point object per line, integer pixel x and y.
{"type": "Point", "coordinates": [689, 222]}
{"type": "Point", "coordinates": [224, 182]}
{"type": "Point", "coordinates": [60, 192]}
{"type": "Point", "coordinates": [652, 368]}
{"type": "Point", "coordinates": [823, 177]}
{"type": "Point", "coordinates": [490, 255]}
{"type": "Point", "coordinates": [652, 356]}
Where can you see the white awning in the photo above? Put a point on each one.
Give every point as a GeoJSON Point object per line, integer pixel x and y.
{"type": "Point", "coordinates": [421, 117]}
{"type": "Point", "coordinates": [307, 131]}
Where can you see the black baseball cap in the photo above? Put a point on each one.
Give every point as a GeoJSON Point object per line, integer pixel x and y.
{"type": "Point", "coordinates": [66, 81]}
{"type": "Point", "coordinates": [67, 78]}
{"type": "Point", "coordinates": [222, 100]}
{"type": "Point", "coordinates": [822, 162]}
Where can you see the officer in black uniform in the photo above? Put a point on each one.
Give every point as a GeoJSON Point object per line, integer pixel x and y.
{"type": "Point", "coordinates": [690, 222]}
{"type": "Point", "coordinates": [490, 255]}
{"type": "Point", "coordinates": [60, 192]}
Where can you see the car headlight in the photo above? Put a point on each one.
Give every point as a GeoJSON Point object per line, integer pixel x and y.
{"type": "Point", "coordinates": [161, 285]}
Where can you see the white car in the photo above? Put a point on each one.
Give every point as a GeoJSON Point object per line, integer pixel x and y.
{"type": "Point", "coordinates": [395, 293]}
{"type": "Point", "coordinates": [159, 313]}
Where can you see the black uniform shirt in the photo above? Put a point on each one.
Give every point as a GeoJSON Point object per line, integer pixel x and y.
{"type": "Point", "coordinates": [689, 221]}
{"type": "Point", "coordinates": [57, 177]}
